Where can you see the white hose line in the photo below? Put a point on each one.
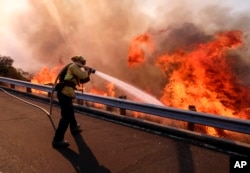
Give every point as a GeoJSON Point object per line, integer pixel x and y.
{"type": "Point", "coordinates": [39, 107]}
{"type": "Point", "coordinates": [34, 105]}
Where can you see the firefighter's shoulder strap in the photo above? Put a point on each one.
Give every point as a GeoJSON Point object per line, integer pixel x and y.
{"type": "Point", "coordinates": [59, 86]}
{"type": "Point", "coordinates": [63, 73]}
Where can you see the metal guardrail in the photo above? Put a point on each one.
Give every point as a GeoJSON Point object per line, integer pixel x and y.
{"type": "Point", "coordinates": [233, 124]}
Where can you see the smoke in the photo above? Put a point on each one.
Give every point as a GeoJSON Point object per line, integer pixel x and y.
{"type": "Point", "coordinates": [51, 32]}
{"type": "Point", "coordinates": [98, 30]}
{"type": "Point", "coordinates": [183, 26]}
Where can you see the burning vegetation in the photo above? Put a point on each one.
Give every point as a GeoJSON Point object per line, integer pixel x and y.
{"type": "Point", "coordinates": [200, 75]}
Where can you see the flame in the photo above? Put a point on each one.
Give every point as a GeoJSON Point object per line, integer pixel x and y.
{"type": "Point", "coordinates": [138, 49]}
{"type": "Point", "coordinates": [96, 91]}
{"type": "Point", "coordinates": [201, 76]}
{"type": "Point", "coordinates": [110, 92]}
{"type": "Point", "coordinates": [46, 75]}
{"type": "Point", "coordinates": [110, 88]}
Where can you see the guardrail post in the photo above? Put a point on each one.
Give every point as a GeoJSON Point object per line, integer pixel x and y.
{"type": "Point", "coordinates": [190, 126]}
{"type": "Point", "coordinates": [109, 108]}
{"type": "Point", "coordinates": [28, 90]}
{"type": "Point", "coordinates": [12, 86]}
{"type": "Point", "coordinates": [79, 101]}
{"type": "Point", "coordinates": [49, 93]}
{"type": "Point", "coordinates": [123, 111]}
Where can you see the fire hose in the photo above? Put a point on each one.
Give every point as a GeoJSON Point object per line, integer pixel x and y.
{"type": "Point", "coordinates": [44, 110]}
{"type": "Point", "coordinates": [34, 105]}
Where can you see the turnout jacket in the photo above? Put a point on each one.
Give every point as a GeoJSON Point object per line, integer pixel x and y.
{"type": "Point", "coordinates": [74, 75]}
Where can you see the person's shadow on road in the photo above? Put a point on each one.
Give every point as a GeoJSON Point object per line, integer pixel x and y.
{"type": "Point", "coordinates": [84, 161]}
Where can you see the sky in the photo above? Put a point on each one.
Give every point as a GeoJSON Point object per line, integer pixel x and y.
{"type": "Point", "coordinates": [45, 33]}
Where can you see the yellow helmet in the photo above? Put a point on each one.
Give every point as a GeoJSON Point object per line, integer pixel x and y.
{"type": "Point", "coordinates": [79, 58]}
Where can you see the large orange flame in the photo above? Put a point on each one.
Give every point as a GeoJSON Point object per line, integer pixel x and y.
{"type": "Point", "coordinates": [138, 49]}
{"type": "Point", "coordinates": [203, 77]}
{"type": "Point", "coordinates": [46, 75]}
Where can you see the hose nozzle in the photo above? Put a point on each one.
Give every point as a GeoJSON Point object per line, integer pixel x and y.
{"type": "Point", "coordinates": [89, 69]}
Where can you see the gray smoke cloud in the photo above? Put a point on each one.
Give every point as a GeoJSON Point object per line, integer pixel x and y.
{"type": "Point", "coordinates": [54, 31]}
{"type": "Point", "coordinates": [98, 30]}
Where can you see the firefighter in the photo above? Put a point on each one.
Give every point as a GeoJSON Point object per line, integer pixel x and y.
{"type": "Point", "coordinates": [66, 93]}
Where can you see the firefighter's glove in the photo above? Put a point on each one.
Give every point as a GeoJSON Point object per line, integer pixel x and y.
{"type": "Point", "coordinates": [89, 70]}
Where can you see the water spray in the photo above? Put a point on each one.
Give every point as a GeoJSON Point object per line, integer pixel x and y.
{"type": "Point", "coordinates": [137, 93]}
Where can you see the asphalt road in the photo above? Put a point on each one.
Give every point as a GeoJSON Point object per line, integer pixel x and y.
{"type": "Point", "coordinates": [26, 134]}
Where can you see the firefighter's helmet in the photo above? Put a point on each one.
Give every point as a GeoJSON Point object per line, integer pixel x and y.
{"type": "Point", "coordinates": [79, 58]}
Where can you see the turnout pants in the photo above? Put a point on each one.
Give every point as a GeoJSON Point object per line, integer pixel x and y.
{"type": "Point", "coordinates": [67, 116]}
